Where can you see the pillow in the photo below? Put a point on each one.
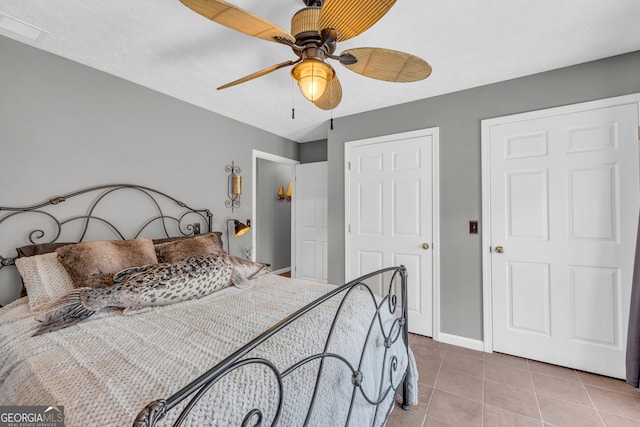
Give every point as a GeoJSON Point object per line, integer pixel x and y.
{"type": "Point", "coordinates": [37, 249]}
{"type": "Point", "coordinates": [173, 239]}
{"type": "Point", "coordinates": [245, 267]}
{"type": "Point", "coordinates": [91, 264]}
{"type": "Point", "coordinates": [44, 278]}
{"type": "Point", "coordinates": [151, 285]}
{"type": "Point", "coordinates": [178, 250]}
{"type": "Point", "coordinates": [40, 248]}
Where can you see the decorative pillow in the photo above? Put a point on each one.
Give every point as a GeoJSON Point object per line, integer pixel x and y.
{"type": "Point", "coordinates": [40, 248]}
{"type": "Point", "coordinates": [178, 250]}
{"type": "Point", "coordinates": [173, 239]}
{"type": "Point", "coordinates": [91, 264]}
{"type": "Point", "coordinates": [246, 268]}
{"type": "Point", "coordinates": [149, 286]}
{"type": "Point", "coordinates": [44, 278]}
{"type": "Point", "coordinates": [37, 249]}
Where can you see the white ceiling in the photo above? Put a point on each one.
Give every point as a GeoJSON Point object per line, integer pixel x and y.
{"type": "Point", "coordinates": [165, 46]}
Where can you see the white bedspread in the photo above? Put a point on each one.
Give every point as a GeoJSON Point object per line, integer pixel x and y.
{"type": "Point", "coordinates": [106, 369]}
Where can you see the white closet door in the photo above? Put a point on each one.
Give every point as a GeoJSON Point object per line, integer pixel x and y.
{"type": "Point", "coordinates": [564, 210]}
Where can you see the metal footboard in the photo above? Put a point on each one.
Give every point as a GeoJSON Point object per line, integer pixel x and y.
{"type": "Point", "coordinates": [394, 302]}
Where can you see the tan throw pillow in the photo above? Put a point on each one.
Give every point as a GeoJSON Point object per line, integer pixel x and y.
{"type": "Point", "coordinates": [179, 250]}
{"type": "Point", "coordinates": [45, 279]}
{"type": "Point", "coordinates": [92, 263]}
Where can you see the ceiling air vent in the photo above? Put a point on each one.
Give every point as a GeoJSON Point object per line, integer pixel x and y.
{"type": "Point", "coordinates": [14, 27]}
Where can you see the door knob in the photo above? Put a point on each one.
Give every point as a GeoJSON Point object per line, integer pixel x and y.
{"type": "Point", "coordinates": [499, 249]}
{"type": "Point", "coordinates": [425, 246]}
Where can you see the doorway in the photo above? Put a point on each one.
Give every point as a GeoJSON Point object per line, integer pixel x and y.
{"type": "Point", "coordinates": [271, 218]}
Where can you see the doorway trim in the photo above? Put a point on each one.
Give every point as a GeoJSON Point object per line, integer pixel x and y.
{"type": "Point", "coordinates": [257, 154]}
{"type": "Point", "coordinates": [487, 306]}
{"type": "Point", "coordinates": [435, 176]}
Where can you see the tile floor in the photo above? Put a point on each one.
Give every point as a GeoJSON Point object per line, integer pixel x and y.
{"type": "Point", "coordinates": [462, 387]}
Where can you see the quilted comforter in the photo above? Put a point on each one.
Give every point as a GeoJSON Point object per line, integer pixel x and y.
{"type": "Point", "coordinates": [106, 369]}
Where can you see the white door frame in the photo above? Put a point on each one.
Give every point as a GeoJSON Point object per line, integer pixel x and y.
{"type": "Point", "coordinates": [257, 154]}
{"type": "Point", "coordinates": [487, 307]}
{"type": "Point", "coordinates": [435, 203]}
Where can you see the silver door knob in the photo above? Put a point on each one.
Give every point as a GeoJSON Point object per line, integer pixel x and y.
{"type": "Point", "coordinates": [425, 246]}
{"type": "Point", "coordinates": [499, 249]}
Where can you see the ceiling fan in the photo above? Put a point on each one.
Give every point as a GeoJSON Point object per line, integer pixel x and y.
{"type": "Point", "coordinates": [315, 31]}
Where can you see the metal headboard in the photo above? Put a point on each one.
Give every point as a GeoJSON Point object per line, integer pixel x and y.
{"type": "Point", "coordinates": [101, 191]}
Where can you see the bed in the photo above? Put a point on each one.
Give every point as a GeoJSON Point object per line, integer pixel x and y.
{"type": "Point", "coordinates": [274, 351]}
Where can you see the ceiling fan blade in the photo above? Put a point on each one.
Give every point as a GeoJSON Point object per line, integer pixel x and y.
{"type": "Point", "coordinates": [332, 95]}
{"type": "Point", "coordinates": [258, 74]}
{"type": "Point", "coordinates": [239, 19]}
{"type": "Point", "coordinates": [350, 17]}
{"type": "Point", "coordinates": [386, 64]}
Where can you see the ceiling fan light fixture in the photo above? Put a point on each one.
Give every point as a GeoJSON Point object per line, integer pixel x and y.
{"type": "Point", "coordinates": [312, 76]}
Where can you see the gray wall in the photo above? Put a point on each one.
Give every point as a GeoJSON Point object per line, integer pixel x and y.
{"type": "Point", "coordinates": [458, 116]}
{"type": "Point", "coordinates": [314, 151]}
{"type": "Point", "coordinates": [64, 126]}
{"type": "Point", "coordinates": [273, 238]}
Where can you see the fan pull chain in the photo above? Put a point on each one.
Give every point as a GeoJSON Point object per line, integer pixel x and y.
{"type": "Point", "coordinates": [331, 120]}
{"type": "Point", "coordinates": [293, 102]}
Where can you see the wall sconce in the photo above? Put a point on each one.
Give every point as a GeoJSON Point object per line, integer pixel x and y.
{"type": "Point", "coordinates": [234, 186]}
{"type": "Point", "coordinates": [289, 193]}
{"type": "Point", "coordinates": [284, 196]}
{"type": "Point", "coordinates": [239, 230]}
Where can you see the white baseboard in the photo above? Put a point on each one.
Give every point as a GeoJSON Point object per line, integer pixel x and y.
{"type": "Point", "coordinates": [461, 341]}
{"type": "Point", "coordinates": [282, 270]}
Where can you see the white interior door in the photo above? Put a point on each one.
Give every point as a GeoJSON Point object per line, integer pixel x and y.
{"type": "Point", "coordinates": [390, 215]}
{"type": "Point", "coordinates": [564, 188]}
{"type": "Point", "coordinates": [311, 195]}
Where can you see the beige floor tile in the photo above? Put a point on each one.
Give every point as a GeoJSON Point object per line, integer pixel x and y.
{"type": "Point", "coordinates": [428, 349]}
{"type": "Point", "coordinates": [559, 388]}
{"type": "Point", "coordinates": [401, 418]}
{"type": "Point", "coordinates": [465, 352]}
{"type": "Point", "coordinates": [505, 359]}
{"type": "Point", "coordinates": [415, 415]}
{"type": "Point", "coordinates": [455, 410]}
{"type": "Point", "coordinates": [609, 383]}
{"type": "Point", "coordinates": [428, 370]}
{"type": "Point", "coordinates": [565, 414]}
{"type": "Point", "coordinates": [496, 417]}
{"type": "Point", "coordinates": [507, 374]}
{"type": "Point", "coordinates": [515, 392]}
{"type": "Point", "coordinates": [511, 398]}
{"type": "Point", "coordinates": [432, 422]}
{"type": "Point", "coordinates": [412, 337]}
{"type": "Point", "coordinates": [615, 403]}
{"type": "Point", "coordinates": [553, 370]}
{"type": "Point", "coordinates": [611, 420]}
{"type": "Point", "coordinates": [461, 385]}
{"type": "Point", "coordinates": [464, 364]}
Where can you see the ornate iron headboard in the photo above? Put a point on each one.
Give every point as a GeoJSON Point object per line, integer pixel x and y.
{"type": "Point", "coordinates": [38, 235]}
